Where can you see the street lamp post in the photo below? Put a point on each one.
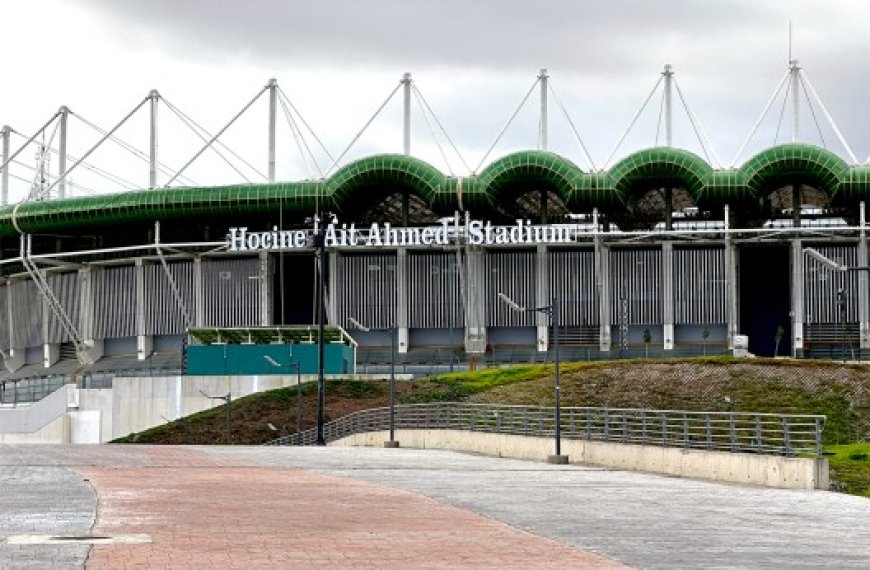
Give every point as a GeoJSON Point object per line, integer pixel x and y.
{"type": "Point", "coordinates": [229, 401]}
{"type": "Point", "coordinates": [553, 311]}
{"type": "Point", "coordinates": [292, 364]}
{"type": "Point", "coordinates": [392, 442]}
{"type": "Point", "coordinates": [320, 248]}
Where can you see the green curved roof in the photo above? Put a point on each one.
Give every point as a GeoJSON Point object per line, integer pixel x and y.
{"type": "Point", "coordinates": [546, 167]}
{"type": "Point", "coordinates": [661, 164]}
{"type": "Point", "coordinates": [421, 176]}
{"type": "Point", "coordinates": [787, 162]}
{"type": "Point", "coordinates": [782, 164]}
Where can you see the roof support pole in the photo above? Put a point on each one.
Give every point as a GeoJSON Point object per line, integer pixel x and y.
{"type": "Point", "coordinates": [795, 75]}
{"type": "Point", "coordinates": [63, 115]}
{"type": "Point", "coordinates": [863, 277]}
{"type": "Point", "coordinates": [273, 109]}
{"type": "Point", "coordinates": [4, 163]}
{"type": "Point", "coordinates": [154, 98]}
{"type": "Point", "coordinates": [543, 122]}
{"type": "Point", "coordinates": [668, 107]}
{"type": "Point", "coordinates": [406, 88]}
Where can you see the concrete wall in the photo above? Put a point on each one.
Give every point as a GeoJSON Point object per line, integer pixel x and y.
{"type": "Point", "coordinates": [765, 470]}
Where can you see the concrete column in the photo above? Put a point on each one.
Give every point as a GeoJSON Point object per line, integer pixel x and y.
{"type": "Point", "coordinates": [198, 316]}
{"type": "Point", "coordinates": [668, 295]}
{"type": "Point", "coordinates": [86, 304]}
{"type": "Point", "coordinates": [14, 359]}
{"type": "Point", "coordinates": [265, 285]}
{"type": "Point", "coordinates": [475, 300]}
{"type": "Point", "coordinates": [863, 277]}
{"type": "Point", "coordinates": [402, 299]}
{"type": "Point", "coordinates": [144, 342]}
{"type": "Point", "coordinates": [602, 278]}
{"type": "Point", "coordinates": [797, 298]}
{"type": "Point", "coordinates": [731, 314]}
{"type": "Point", "coordinates": [542, 295]}
{"type": "Point", "coordinates": [332, 300]}
{"type": "Point", "coordinates": [50, 350]}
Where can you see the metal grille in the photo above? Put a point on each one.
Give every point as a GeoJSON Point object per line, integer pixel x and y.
{"type": "Point", "coordinates": [162, 313]}
{"type": "Point", "coordinates": [367, 289]}
{"type": "Point", "coordinates": [572, 281]}
{"type": "Point", "coordinates": [434, 291]}
{"type": "Point", "coordinates": [231, 292]}
{"type": "Point", "coordinates": [511, 273]}
{"type": "Point", "coordinates": [699, 286]}
{"type": "Point", "coordinates": [771, 434]}
{"type": "Point", "coordinates": [65, 287]}
{"type": "Point", "coordinates": [114, 302]}
{"type": "Point", "coordinates": [636, 276]}
{"type": "Point", "coordinates": [821, 286]}
{"type": "Point", "coordinates": [26, 308]}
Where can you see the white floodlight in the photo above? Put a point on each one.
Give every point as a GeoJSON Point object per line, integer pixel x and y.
{"type": "Point", "coordinates": [511, 303]}
{"type": "Point", "coordinates": [824, 260]}
{"type": "Point", "coordinates": [358, 324]}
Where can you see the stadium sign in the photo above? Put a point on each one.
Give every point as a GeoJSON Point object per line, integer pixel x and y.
{"type": "Point", "coordinates": [472, 232]}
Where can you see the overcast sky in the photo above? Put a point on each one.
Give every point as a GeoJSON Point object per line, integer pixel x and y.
{"type": "Point", "coordinates": [473, 61]}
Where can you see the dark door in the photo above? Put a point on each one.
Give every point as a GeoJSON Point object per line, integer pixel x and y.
{"type": "Point", "coordinates": [293, 302]}
{"type": "Point", "coordinates": [765, 298]}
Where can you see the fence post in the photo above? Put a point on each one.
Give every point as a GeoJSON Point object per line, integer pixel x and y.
{"type": "Point", "coordinates": [606, 425]}
{"type": "Point", "coordinates": [818, 437]}
{"type": "Point", "coordinates": [685, 430]}
{"type": "Point", "coordinates": [643, 425]}
{"type": "Point", "coordinates": [758, 433]}
{"type": "Point", "coordinates": [785, 437]}
{"type": "Point", "coordinates": [588, 424]}
{"type": "Point", "coordinates": [664, 429]}
{"type": "Point", "coordinates": [624, 427]}
{"type": "Point", "coordinates": [709, 433]}
{"type": "Point", "coordinates": [733, 429]}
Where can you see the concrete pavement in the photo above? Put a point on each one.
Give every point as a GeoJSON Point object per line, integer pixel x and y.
{"type": "Point", "coordinates": [402, 508]}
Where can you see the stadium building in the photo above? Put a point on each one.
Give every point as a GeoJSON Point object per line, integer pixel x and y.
{"type": "Point", "coordinates": [661, 254]}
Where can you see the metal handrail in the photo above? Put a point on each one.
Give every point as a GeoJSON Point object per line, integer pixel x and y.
{"type": "Point", "coordinates": [745, 432]}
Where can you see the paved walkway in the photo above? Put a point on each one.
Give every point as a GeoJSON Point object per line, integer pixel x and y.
{"type": "Point", "coordinates": [253, 507]}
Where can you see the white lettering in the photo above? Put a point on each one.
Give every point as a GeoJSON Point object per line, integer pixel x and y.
{"type": "Point", "coordinates": [237, 239]}
{"type": "Point", "coordinates": [475, 232]}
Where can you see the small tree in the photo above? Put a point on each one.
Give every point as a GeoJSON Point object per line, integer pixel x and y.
{"type": "Point", "coordinates": [705, 334]}
{"type": "Point", "coordinates": [777, 337]}
{"type": "Point", "coordinates": [647, 338]}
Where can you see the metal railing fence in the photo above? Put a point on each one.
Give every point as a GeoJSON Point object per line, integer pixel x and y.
{"type": "Point", "coordinates": [772, 434]}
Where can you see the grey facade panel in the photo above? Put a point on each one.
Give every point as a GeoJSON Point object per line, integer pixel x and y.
{"type": "Point", "coordinates": [366, 289]}
{"type": "Point", "coordinates": [231, 292]}
{"type": "Point", "coordinates": [572, 281]}
{"type": "Point", "coordinates": [636, 278]}
{"type": "Point", "coordinates": [115, 302]}
{"type": "Point", "coordinates": [435, 291]}
{"type": "Point", "coordinates": [699, 286]}
{"type": "Point", "coordinates": [511, 273]}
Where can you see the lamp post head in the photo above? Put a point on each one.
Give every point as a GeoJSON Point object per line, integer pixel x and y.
{"type": "Point", "coordinates": [358, 324]}
{"type": "Point", "coordinates": [510, 303]}
{"type": "Point", "coordinates": [271, 360]}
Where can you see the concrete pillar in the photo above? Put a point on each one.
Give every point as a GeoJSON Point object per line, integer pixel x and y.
{"type": "Point", "coordinates": [475, 300]}
{"type": "Point", "coordinates": [402, 299]}
{"type": "Point", "coordinates": [797, 298]}
{"type": "Point", "coordinates": [265, 286]}
{"type": "Point", "coordinates": [50, 350]}
{"type": "Point", "coordinates": [144, 342]}
{"type": "Point", "coordinates": [198, 316]}
{"type": "Point", "coordinates": [731, 314]}
{"type": "Point", "coordinates": [602, 278]}
{"type": "Point", "coordinates": [542, 296]}
{"type": "Point", "coordinates": [668, 295]}
{"type": "Point", "coordinates": [332, 301]}
{"type": "Point", "coordinates": [86, 304]}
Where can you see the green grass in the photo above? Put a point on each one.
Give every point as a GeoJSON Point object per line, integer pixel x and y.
{"type": "Point", "coordinates": [850, 467]}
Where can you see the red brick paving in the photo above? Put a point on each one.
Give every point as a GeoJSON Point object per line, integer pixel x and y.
{"type": "Point", "coordinates": [205, 513]}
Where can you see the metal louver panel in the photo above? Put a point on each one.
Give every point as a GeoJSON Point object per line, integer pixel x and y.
{"type": "Point", "coordinates": [435, 295]}
{"type": "Point", "coordinates": [821, 286]}
{"type": "Point", "coordinates": [511, 273]}
{"type": "Point", "coordinates": [699, 286]}
{"type": "Point", "coordinates": [65, 287]}
{"type": "Point", "coordinates": [366, 289]}
{"type": "Point", "coordinates": [162, 313]}
{"type": "Point", "coordinates": [572, 281]}
{"type": "Point", "coordinates": [115, 302]}
{"type": "Point", "coordinates": [231, 292]}
{"type": "Point", "coordinates": [636, 276]}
